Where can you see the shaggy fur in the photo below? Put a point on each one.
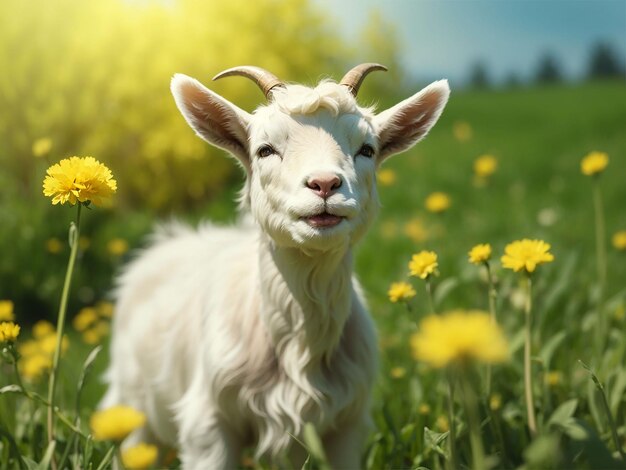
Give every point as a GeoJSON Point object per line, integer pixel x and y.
{"type": "Point", "coordinates": [229, 337]}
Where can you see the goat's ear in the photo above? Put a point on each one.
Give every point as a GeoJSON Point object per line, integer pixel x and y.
{"type": "Point", "coordinates": [214, 118]}
{"type": "Point", "coordinates": [403, 125]}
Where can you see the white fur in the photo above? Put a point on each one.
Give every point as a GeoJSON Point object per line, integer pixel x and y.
{"type": "Point", "coordinates": [228, 337]}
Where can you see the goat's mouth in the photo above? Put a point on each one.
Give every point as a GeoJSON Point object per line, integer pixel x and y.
{"type": "Point", "coordinates": [324, 220]}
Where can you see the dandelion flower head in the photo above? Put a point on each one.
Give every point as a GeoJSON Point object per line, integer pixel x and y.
{"type": "Point", "coordinates": [526, 255]}
{"type": "Point", "coordinates": [386, 177]}
{"type": "Point", "coordinates": [140, 456]}
{"type": "Point", "coordinates": [41, 147]}
{"type": "Point", "coordinates": [437, 202]}
{"type": "Point", "coordinates": [594, 163]}
{"type": "Point", "coordinates": [423, 264]}
{"type": "Point", "coordinates": [459, 336]}
{"type": "Point", "coordinates": [42, 329]}
{"type": "Point", "coordinates": [485, 166]}
{"type": "Point", "coordinates": [115, 423]}
{"type": "Point", "coordinates": [6, 310]}
{"type": "Point", "coordinates": [79, 179]}
{"type": "Point", "coordinates": [400, 292]}
{"type": "Point", "coordinates": [619, 240]}
{"type": "Point", "coordinates": [480, 253]}
{"type": "Point", "coordinates": [9, 331]}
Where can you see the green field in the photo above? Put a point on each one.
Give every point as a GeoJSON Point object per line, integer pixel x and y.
{"type": "Point", "coordinates": [538, 136]}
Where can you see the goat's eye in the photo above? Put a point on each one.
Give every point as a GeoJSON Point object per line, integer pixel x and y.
{"type": "Point", "coordinates": [366, 151]}
{"type": "Point", "coordinates": [266, 151]}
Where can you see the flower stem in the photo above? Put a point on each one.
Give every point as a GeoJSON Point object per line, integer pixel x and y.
{"type": "Point", "coordinates": [601, 266]}
{"type": "Point", "coordinates": [429, 292]}
{"type": "Point", "coordinates": [492, 310]}
{"type": "Point", "coordinates": [74, 233]}
{"type": "Point", "coordinates": [470, 403]}
{"type": "Point", "coordinates": [528, 380]}
{"type": "Point", "coordinates": [454, 460]}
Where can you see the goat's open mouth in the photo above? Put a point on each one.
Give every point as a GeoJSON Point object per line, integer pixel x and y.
{"type": "Point", "coordinates": [324, 220]}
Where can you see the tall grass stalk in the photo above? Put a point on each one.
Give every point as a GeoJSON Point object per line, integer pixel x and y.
{"type": "Point", "coordinates": [492, 311]}
{"type": "Point", "coordinates": [601, 266]}
{"type": "Point", "coordinates": [74, 234]}
{"type": "Point", "coordinates": [470, 403]}
{"type": "Point", "coordinates": [454, 459]}
{"type": "Point", "coordinates": [528, 378]}
{"type": "Point", "coordinates": [429, 294]}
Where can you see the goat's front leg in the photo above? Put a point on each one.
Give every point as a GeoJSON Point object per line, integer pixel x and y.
{"type": "Point", "coordinates": [209, 445]}
{"type": "Point", "coordinates": [344, 446]}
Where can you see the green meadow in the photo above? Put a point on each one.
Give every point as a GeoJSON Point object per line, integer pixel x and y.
{"type": "Point", "coordinates": [538, 136]}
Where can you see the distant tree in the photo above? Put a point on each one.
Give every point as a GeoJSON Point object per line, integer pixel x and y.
{"type": "Point", "coordinates": [512, 80]}
{"type": "Point", "coordinates": [479, 76]}
{"type": "Point", "coordinates": [548, 69]}
{"type": "Point", "coordinates": [603, 62]}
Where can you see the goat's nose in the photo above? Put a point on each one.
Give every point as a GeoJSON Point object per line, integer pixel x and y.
{"type": "Point", "coordinates": [323, 184]}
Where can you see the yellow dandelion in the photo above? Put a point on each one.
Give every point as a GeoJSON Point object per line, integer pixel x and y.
{"type": "Point", "coordinates": [29, 348]}
{"type": "Point", "coordinates": [397, 372]}
{"type": "Point", "coordinates": [105, 309]}
{"type": "Point", "coordinates": [423, 409]}
{"type": "Point", "coordinates": [9, 331]}
{"type": "Point", "coordinates": [117, 246]}
{"type": "Point", "coordinates": [41, 147]}
{"type": "Point", "coordinates": [485, 166]}
{"type": "Point", "coordinates": [386, 177]}
{"type": "Point", "coordinates": [495, 402]}
{"type": "Point", "coordinates": [459, 336]}
{"type": "Point", "coordinates": [95, 334]}
{"type": "Point", "coordinates": [442, 424]}
{"type": "Point", "coordinates": [34, 366]}
{"type": "Point", "coordinates": [48, 344]}
{"type": "Point", "coordinates": [594, 163]}
{"type": "Point", "coordinates": [423, 264]}
{"type": "Point", "coordinates": [140, 456]}
{"type": "Point", "coordinates": [462, 131]}
{"type": "Point", "coordinates": [400, 292]}
{"type": "Point", "coordinates": [85, 318]}
{"type": "Point", "coordinates": [43, 328]}
{"type": "Point", "coordinates": [554, 378]}
{"type": "Point", "coordinates": [115, 423]}
{"type": "Point", "coordinates": [526, 255]}
{"type": "Point", "coordinates": [437, 202]}
{"type": "Point", "coordinates": [6, 310]}
{"type": "Point", "coordinates": [54, 245]}
{"type": "Point", "coordinates": [480, 253]}
{"type": "Point", "coordinates": [79, 179]}
{"type": "Point", "coordinates": [619, 240]}
{"type": "Point", "coordinates": [415, 230]}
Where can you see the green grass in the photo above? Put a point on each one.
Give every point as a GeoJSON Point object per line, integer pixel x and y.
{"type": "Point", "coordinates": [539, 137]}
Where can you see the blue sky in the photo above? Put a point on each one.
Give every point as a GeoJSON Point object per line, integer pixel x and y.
{"type": "Point", "coordinates": [443, 38]}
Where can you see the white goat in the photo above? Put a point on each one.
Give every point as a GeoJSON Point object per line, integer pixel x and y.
{"type": "Point", "coordinates": [230, 337]}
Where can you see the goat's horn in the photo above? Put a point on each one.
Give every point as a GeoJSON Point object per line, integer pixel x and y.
{"type": "Point", "coordinates": [355, 77]}
{"type": "Point", "coordinates": [264, 79]}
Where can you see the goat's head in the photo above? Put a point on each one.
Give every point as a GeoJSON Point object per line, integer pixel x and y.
{"type": "Point", "coordinates": [310, 154]}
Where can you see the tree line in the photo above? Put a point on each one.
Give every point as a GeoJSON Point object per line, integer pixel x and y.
{"type": "Point", "coordinates": [603, 63]}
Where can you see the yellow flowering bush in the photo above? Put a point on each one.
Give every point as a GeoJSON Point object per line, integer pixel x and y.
{"type": "Point", "coordinates": [140, 456]}
{"type": "Point", "coordinates": [594, 163]}
{"type": "Point", "coordinates": [423, 264]}
{"type": "Point", "coordinates": [459, 336]}
{"type": "Point", "coordinates": [480, 253]}
{"type": "Point", "coordinates": [437, 202]}
{"type": "Point", "coordinates": [115, 423]}
{"type": "Point", "coordinates": [6, 310]}
{"type": "Point", "coordinates": [400, 292]}
{"type": "Point", "coordinates": [526, 255]}
{"type": "Point", "coordinates": [9, 331]}
{"type": "Point", "coordinates": [79, 179]}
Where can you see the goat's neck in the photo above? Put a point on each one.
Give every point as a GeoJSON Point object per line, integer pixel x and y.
{"type": "Point", "coordinates": [306, 300]}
